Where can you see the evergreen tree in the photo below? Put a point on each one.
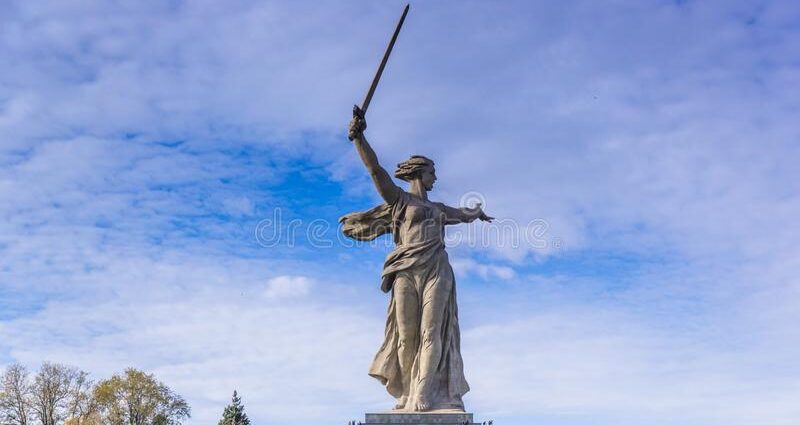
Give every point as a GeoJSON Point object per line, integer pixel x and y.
{"type": "Point", "coordinates": [234, 413]}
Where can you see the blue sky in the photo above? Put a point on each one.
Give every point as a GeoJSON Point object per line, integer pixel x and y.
{"type": "Point", "coordinates": [143, 146]}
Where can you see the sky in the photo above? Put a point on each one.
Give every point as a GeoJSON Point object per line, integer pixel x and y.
{"type": "Point", "coordinates": [171, 175]}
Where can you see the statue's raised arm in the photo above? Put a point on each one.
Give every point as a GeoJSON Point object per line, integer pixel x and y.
{"type": "Point", "coordinates": [383, 181]}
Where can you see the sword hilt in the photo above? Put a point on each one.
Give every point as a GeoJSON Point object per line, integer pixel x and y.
{"type": "Point", "coordinates": [357, 113]}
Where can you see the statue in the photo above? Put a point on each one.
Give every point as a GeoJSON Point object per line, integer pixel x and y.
{"type": "Point", "coordinates": [419, 361]}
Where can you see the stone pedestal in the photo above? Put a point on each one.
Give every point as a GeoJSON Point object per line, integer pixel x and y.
{"type": "Point", "coordinates": [459, 418]}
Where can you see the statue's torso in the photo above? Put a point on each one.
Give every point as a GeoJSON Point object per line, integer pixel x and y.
{"type": "Point", "coordinates": [417, 220]}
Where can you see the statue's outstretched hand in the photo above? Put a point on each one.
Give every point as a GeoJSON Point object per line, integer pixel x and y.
{"type": "Point", "coordinates": [484, 217]}
{"type": "Point", "coordinates": [356, 128]}
{"type": "Point", "coordinates": [477, 212]}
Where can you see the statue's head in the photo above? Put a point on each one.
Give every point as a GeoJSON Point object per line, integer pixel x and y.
{"type": "Point", "coordinates": [417, 167]}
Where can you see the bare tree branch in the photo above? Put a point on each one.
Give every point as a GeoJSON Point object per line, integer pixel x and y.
{"type": "Point", "coordinates": [15, 394]}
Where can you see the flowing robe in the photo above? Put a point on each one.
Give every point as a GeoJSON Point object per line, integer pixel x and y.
{"type": "Point", "coordinates": [420, 262]}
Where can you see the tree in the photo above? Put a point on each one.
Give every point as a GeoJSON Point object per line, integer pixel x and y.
{"type": "Point", "coordinates": [81, 409]}
{"type": "Point", "coordinates": [55, 391]}
{"type": "Point", "coordinates": [137, 398]}
{"type": "Point", "coordinates": [56, 394]}
{"type": "Point", "coordinates": [15, 393]}
{"type": "Point", "coordinates": [234, 412]}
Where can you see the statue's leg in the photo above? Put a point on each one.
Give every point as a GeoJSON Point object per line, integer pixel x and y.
{"type": "Point", "coordinates": [434, 302]}
{"type": "Point", "coordinates": [407, 302]}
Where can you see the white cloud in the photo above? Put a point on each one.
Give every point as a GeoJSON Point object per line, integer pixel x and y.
{"type": "Point", "coordinates": [238, 207]}
{"type": "Point", "coordinates": [580, 362]}
{"type": "Point", "coordinates": [485, 271]}
{"type": "Point", "coordinates": [287, 287]}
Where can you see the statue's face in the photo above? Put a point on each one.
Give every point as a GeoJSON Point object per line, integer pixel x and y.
{"type": "Point", "coordinates": [428, 178]}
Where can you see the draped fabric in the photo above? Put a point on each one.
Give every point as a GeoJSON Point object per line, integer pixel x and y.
{"type": "Point", "coordinates": [421, 268]}
{"type": "Point", "coordinates": [367, 225]}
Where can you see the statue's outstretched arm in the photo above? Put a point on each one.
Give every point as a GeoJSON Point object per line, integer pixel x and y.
{"type": "Point", "coordinates": [465, 215]}
{"type": "Point", "coordinates": [383, 182]}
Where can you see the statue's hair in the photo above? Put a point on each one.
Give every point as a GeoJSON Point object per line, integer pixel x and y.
{"type": "Point", "coordinates": [411, 168]}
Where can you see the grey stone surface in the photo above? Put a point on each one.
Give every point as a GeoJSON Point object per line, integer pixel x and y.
{"type": "Point", "coordinates": [419, 418]}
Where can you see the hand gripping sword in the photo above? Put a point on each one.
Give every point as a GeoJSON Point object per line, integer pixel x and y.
{"type": "Point", "coordinates": [361, 111]}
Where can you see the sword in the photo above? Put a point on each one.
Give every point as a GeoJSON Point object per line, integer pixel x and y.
{"type": "Point", "coordinates": [361, 111]}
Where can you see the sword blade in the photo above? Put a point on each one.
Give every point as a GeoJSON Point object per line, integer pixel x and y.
{"type": "Point", "coordinates": [368, 98]}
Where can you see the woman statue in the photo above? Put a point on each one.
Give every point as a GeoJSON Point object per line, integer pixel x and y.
{"type": "Point", "coordinates": [420, 359]}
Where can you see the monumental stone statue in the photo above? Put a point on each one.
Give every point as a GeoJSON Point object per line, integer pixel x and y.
{"type": "Point", "coordinates": [419, 361]}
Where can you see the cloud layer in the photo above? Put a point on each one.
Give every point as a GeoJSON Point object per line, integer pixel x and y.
{"type": "Point", "coordinates": [141, 145]}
